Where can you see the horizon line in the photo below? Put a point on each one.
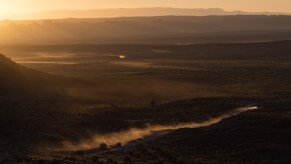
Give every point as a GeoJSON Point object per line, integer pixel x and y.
{"type": "Point", "coordinates": [6, 17]}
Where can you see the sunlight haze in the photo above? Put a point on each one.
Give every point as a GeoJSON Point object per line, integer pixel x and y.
{"type": "Point", "coordinates": [30, 6]}
{"type": "Point", "coordinates": [145, 81]}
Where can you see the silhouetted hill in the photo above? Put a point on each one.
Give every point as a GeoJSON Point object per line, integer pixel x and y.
{"type": "Point", "coordinates": [17, 80]}
{"type": "Point", "coordinates": [23, 89]}
{"type": "Point", "coordinates": [10, 70]}
{"type": "Point", "coordinates": [27, 99]}
{"type": "Point", "coordinates": [148, 30]}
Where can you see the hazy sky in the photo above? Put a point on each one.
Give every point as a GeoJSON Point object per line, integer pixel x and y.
{"type": "Point", "coordinates": [27, 6]}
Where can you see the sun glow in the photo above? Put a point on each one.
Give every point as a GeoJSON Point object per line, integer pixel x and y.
{"type": "Point", "coordinates": [9, 8]}
{"type": "Point", "coordinates": [3, 10]}
{"type": "Point", "coordinates": [6, 8]}
{"type": "Point", "coordinates": [122, 56]}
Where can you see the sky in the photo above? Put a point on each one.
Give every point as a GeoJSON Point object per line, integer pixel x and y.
{"type": "Point", "coordinates": [10, 7]}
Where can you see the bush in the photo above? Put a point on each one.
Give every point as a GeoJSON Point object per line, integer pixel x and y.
{"type": "Point", "coordinates": [118, 144]}
{"type": "Point", "coordinates": [103, 146]}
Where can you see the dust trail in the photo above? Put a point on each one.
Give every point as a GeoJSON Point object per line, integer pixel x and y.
{"type": "Point", "coordinates": [132, 134]}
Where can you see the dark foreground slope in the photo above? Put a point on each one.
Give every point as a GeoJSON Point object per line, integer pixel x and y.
{"type": "Point", "coordinates": [26, 96]}
{"type": "Point", "coordinates": [259, 136]}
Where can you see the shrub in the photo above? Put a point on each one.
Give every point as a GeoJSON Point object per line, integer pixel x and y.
{"type": "Point", "coordinates": [103, 146]}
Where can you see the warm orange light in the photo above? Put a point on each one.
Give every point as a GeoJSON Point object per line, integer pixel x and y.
{"type": "Point", "coordinates": [8, 8]}
{"type": "Point", "coordinates": [122, 56]}
{"type": "Point", "coordinates": [4, 10]}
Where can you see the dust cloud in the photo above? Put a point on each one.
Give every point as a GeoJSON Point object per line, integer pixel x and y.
{"type": "Point", "coordinates": [125, 137]}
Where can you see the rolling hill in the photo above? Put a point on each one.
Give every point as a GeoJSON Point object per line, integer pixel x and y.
{"type": "Point", "coordinates": [148, 30]}
{"type": "Point", "coordinates": [29, 101]}
{"type": "Point", "coordinates": [19, 81]}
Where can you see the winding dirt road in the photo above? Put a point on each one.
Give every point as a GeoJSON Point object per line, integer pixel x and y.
{"type": "Point", "coordinates": [154, 132]}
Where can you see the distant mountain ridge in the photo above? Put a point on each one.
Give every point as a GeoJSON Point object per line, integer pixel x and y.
{"type": "Point", "coordinates": [148, 30]}
{"type": "Point", "coordinates": [131, 12]}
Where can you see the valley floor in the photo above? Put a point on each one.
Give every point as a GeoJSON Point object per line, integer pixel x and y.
{"type": "Point", "coordinates": [96, 99]}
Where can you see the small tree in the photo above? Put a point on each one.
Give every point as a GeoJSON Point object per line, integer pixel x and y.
{"type": "Point", "coordinates": [118, 144]}
{"type": "Point", "coordinates": [103, 146]}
